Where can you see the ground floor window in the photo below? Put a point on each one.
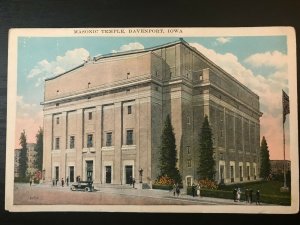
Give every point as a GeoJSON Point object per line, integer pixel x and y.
{"type": "Point", "coordinates": [128, 174]}
{"type": "Point", "coordinates": [89, 170]}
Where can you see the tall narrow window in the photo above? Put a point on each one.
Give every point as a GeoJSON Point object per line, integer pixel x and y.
{"type": "Point", "coordinates": [90, 115]}
{"type": "Point", "coordinates": [129, 138]}
{"type": "Point", "coordinates": [108, 138]}
{"type": "Point", "coordinates": [189, 163]}
{"type": "Point", "coordinates": [57, 120]}
{"type": "Point", "coordinates": [89, 140]}
{"type": "Point", "coordinates": [188, 149]}
{"type": "Point", "coordinates": [57, 143]}
{"type": "Point", "coordinates": [129, 109]}
{"type": "Point", "coordinates": [72, 142]}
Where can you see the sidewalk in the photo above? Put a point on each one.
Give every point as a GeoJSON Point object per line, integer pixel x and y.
{"type": "Point", "coordinates": [151, 193]}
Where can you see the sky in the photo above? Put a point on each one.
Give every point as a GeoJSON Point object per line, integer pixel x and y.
{"type": "Point", "coordinates": [259, 62]}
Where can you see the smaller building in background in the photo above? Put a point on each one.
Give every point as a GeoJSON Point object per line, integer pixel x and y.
{"type": "Point", "coordinates": [31, 157]}
{"type": "Point", "coordinates": [277, 166]}
{"type": "Point", "coordinates": [17, 162]}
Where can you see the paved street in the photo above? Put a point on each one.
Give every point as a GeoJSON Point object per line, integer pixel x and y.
{"type": "Point", "coordinates": [45, 194]}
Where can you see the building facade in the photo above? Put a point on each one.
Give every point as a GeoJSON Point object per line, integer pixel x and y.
{"type": "Point", "coordinates": [31, 157]}
{"type": "Point", "coordinates": [103, 120]}
{"type": "Point", "coordinates": [17, 163]}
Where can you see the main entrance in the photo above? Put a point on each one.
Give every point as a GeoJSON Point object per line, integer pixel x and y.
{"type": "Point", "coordinates": [89, 170]}
{"type": "Point", "coordinates": [128, 174]}
{"type": "Point", "coordinates": [71, 169]}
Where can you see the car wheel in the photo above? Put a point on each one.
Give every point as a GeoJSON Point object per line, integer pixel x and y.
{"type": "Point", "coordinates": [86, 189]}
{"type": "Point", "coordinates": [73, 188]}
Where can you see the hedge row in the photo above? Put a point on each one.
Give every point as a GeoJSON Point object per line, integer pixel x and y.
{"type": "Point", "coordinates": [270, 199]}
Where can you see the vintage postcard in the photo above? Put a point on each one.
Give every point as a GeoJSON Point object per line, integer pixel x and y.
{"type": "Point", "coordinates": [200, 120]}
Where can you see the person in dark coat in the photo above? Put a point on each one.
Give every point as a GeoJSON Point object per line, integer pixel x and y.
{"type": "Point", "coordinates": [234, 194]}
{"type": "Point", "coordinates": [67, 181]}
{"type": "Point", "coordinates": [133, 182]}
{"type": "Point", "coordinates": [174, 189]}
{"type": "Point", "coordinates": [257, 197]}
{"type": "Point", "coordinates": [177, 190]}
{"type": "Point", "coordinates": [251, 195]}
{"type": "Point", "coordinates": [247, 195]}
{"type": "Point", "coordinates": [62, 182]}
{"type": "Point", "coordinates": [53, 182]}
{"type": "Point", "coordinates": [193, 190]}
{"type": "Point", "coordinates": [30, 181]}
{"type": "Point", "coordinates": [56, 181]}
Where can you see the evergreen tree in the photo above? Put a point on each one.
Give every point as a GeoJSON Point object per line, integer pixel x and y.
{"type": "Point", "coordinates": [39, 150]}
{"type": "Point", "coordinates": [265, 165]}
{"type": "Point", "coordinates": [23, 155]}
{"type": "Point", "coordinates": [168, 155]}
{"type": "Point", "coordinates": [206, 169]}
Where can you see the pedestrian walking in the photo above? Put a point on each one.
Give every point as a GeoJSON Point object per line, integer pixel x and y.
{"type": "Point", "coordinates": [247, 195]}
{"type": "Point", "coordinates": [67, 181]}
{"type": "Point", "coordinates": [198, 190]}
{"type": "Point", "coordinates": [238, 194]}
{"type": "Point", "coordinates": [193, 189]}
{"type": "Point", "coordinates": [234, 195]}
{"type": "Point", "coordinates": [30, 181]}
{"type": "Point", "coordinates": [177, 190]}
{"type": "Point", "coordinates": [53, 182]}
{"type": "Point", "coordinates": [62, 182]}
{"type": "Point", "coordinates": [257, 197]}
{"type": "Point", "coordinates": [251, 195]}
{"type": "Point", "coordinates": [174, 189]}
{"type": "Point", "coordinates": [133, 182]}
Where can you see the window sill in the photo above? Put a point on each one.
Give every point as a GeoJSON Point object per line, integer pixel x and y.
{"type": "Point", "coordinates": [91, 149]}
{"type": "Point", "coordinates": [108, 148]}
{"type": "Point", "coordinates": [128, 147]}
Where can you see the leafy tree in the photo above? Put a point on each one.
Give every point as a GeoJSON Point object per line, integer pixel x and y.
{"type": "Point", "coordinates": [168, 155]}
{"type": "Point", "coordinates": [206, 169]}
{"type": "Point", "coordinates": [23, 155]}
{"type": "Point", "coordinates": [39, 150]}
{"type": "Point", "coordinates": [265, 165]}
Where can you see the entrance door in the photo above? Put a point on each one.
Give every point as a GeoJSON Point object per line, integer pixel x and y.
{"type": "Point", "coordinates": [89, 170]}
{"type": "Point", "coordinates": [108, 174]}
{"type": "Point", "coordinates": [57, 173]}
{"type": "Point", "coordinates": [71, 173]}
{"type": "Point", "coordinates": [128, 174]}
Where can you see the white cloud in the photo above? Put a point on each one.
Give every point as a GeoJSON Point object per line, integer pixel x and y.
{"type": "Point", "coordinates": [268, 88]}
{"type": "Point", "coordinates": [130, 46]}
{"type": "Point", "coordinates": [69, 60]}
{"type": "Point", "coordinates": [223, 40]}
{"type": "Point", "coordinates": [274, 59]}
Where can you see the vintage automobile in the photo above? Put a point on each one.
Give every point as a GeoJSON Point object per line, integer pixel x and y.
{"type": "Point", "coordinates": [82, 186]}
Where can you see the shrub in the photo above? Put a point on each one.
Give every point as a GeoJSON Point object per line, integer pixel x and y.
{"type": "Point", "coordinates": [208, 184]}
{"type": "Point", "coordinates": [164, 180]}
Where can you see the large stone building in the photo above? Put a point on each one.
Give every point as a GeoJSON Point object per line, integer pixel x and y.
{"type": "Point", "coordinates": [103, 120]}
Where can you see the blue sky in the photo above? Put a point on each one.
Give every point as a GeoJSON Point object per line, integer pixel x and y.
{"type": "Point", "coordinates": [258, 62]}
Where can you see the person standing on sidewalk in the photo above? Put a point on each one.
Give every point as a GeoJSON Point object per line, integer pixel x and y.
{"type": "Point", "coordinates": [193, 190]}
{"type": "Point", "coordinates": [174, 189]}
{"type": "Point", "coordinates": [62, 182]}
{"type": "Point", "coordinates": [238, 194]}
{"type": "Point", "coordinates": [257, 197]}
{"type": "Point", "coordinates": [67, 181]}
{"type": "Point", "coordinates": [198, 190]}
{"type": "Point", "coordinates": [234, 195]}
{"type": "Point", "coordinates": [177, 190]}
{"type": "Point", "coordinates": [133, 182]}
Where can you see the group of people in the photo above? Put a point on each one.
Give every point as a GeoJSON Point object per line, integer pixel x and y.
{"type": "Point", "coordinates": [176, 189]}
{"type": "Point", "coordinates": [196, 190]}
{"type": "Point", "coordinates": [55, 181]}
{"type": "Point", "coordinates": [248, 195]}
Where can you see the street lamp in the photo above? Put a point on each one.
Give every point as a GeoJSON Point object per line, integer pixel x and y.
{"type": "Point", "coordinates": [141, 175]}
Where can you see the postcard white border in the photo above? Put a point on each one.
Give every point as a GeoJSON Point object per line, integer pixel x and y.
{"type": "Point", "coordinates": [186, 32]}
